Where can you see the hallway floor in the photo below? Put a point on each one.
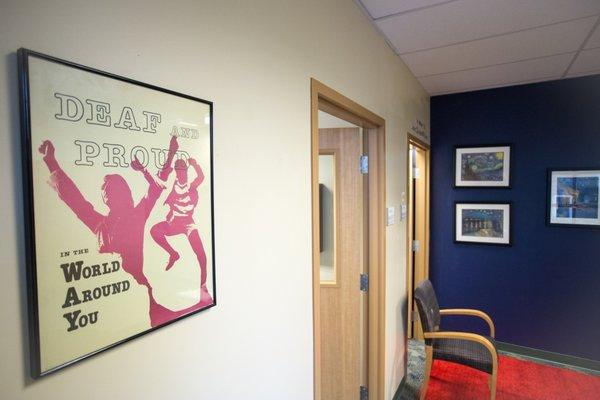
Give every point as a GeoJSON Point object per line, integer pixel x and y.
{"type": "Point", "coordinates": [416, 362]}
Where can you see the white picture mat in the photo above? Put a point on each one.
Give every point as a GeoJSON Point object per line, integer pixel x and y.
{"type": "Point", "coordinates": [477, 150]}
{"type": "Point", "coordinates": [505, 239]}
{"type": "Point", "coordinates": [553, 193]}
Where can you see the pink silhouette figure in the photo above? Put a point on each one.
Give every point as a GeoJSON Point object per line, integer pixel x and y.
{"type": "Point", "coordinates": [122, 230]}
{"type": "Point", "coordinates": [182, 200]}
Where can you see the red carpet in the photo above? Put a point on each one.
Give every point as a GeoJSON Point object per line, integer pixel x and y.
{"type": "Point", "coordinates": [517, 380]}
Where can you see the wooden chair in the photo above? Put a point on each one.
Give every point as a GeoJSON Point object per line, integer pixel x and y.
{"type": "Point", "coordinates": [468, 349]}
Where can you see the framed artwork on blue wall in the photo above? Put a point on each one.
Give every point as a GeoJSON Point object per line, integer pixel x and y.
{"type": "Point", "coordinates": [482, 223]}
{"type": "Point", "coordinates": [573, 197]}
{"type": "Point", "coordinates": [486, 166]}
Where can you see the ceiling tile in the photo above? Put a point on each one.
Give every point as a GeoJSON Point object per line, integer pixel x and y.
{"type": "Point", "coordinates": [586, 61]}
{"type": "Point", "coordinates": [539, 42]}
{"type": "Point", "coordinates": [381, 8]}
{"type": "Point", "coordinates": [596, 72]}
{"type": "Point", "coordinates": [499, 75]}
{"type": "Point", "coordinates": [594, 40]}
{"type": "Point", "coordinates": [464, 20]}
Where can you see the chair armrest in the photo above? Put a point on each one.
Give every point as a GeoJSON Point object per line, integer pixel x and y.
{"type": "Point", "coordinates": [465, 336]}
{"type": "Point", "coordinates": [474, 313]}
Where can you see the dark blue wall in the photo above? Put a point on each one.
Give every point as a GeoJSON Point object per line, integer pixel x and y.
{"type": "Point", "coordinates": [544, 291]}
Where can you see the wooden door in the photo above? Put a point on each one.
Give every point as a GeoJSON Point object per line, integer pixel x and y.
{"type": "Point", "coordinates": [419, 219]}
{"type": "Point", "coordinates": [342, 308]}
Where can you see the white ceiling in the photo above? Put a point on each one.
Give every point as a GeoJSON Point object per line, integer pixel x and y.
{"type": "Point", "coordinates": [461, 45]}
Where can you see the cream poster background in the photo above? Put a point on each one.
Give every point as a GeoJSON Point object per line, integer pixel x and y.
{"type": "Point", "coordinates": [58, 230]}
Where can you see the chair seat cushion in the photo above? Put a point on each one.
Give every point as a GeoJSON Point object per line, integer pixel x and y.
{"type": "Point", "coordinates": [465, 352]}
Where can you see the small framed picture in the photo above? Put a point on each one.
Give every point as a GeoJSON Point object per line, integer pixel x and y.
{"type": "Point", "coordinates": [482, 166]}
{"type": "Point", "coordinates": [573, 197]}
{"type": "Point", "coordinates": [483, 223]}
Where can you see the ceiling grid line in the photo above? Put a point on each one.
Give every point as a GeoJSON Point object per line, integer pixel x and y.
{"type": "Point", "coordinates": [585, 41]}
{"type": "Point", "coordinates": [412, 10]}
{"type": "Point", "coordinates": [590, 72]}
{"type": "Point", "coordinates": [496, 64]}
{"type": "Point", "coordinates": [497, 35]}
{"type": "Point", "coordinates": [473, 88]}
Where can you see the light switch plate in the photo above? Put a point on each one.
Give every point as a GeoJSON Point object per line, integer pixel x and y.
{"type": "Point", "coordinates": [403, 212]}
{"type": "Point", "coordinates": [391, 216]}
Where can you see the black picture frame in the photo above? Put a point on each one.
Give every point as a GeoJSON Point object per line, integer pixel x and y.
{"type": "Point", "coordinates": [510, 147]}
{"type": "Point", "coordinates": [492, 203]}
{"type": "Point", "coordinates": [23, 57]}
{"type": "Point", "coordinates": [549, 181]}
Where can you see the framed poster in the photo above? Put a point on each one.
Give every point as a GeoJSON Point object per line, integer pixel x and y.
{"type": "Point", "coordinates": [482, 223]}
{"type": "Point", "coordinates": [482, 166]}
{"type": "Point", "coordinates": [118, 190]}
{"type": "Point", "coordinates": [573, 197]}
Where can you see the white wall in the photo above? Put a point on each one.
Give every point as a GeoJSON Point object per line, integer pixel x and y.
{"type": "Point", "coordinates": [254, 60]}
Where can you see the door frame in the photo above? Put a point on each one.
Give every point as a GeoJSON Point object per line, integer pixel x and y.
{"type": "Point", "coordinates": [327, 99]}
{"type": "Point", "coordinates": [412, 140]}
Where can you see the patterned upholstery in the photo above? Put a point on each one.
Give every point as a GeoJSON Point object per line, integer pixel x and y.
{"type": "Point", "coordinates": [429, 310]}
{"type": "Point", "coordinates": [465, 352]}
